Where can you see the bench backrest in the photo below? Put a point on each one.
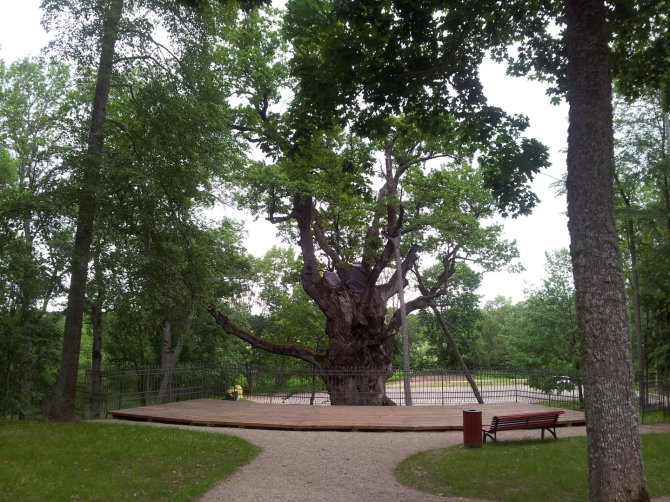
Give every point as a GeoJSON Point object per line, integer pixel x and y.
{"type": "Point", "coordinates": [525, 420]}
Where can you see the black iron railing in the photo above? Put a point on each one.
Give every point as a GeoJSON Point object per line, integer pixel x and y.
{"type": "Point", "coordinates": [132, 388]}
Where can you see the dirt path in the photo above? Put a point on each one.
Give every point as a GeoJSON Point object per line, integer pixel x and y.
{"type": "Point", "coordinates": [327, 466]}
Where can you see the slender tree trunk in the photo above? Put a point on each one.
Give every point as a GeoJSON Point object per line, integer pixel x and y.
{"type": "Point", "coordinates": [26, 377]}
{"type": "Point", "coordinates": [637, 315]}
{"type": "Point", "coordinates": [28, 353]}
{"type": "Point", "coordinates": [164, 392]}
{"type": "Point", "coordinates": [96, 362]}
{"type": "Point", "coordinates": [61, 405]}
{"type": "Point", "coordinates": [26, 317]}
{"type": "Point", "coordinates": [169, 355]}
{"type": "Point", "coordinates": [96, 351]}
{"type": "Point", "coordinates": [665, 188]}
{"type": "Point", "coordinates": [453, 344]}
{"type": "Point", "coordinates": [635, 287]}
{"type": "Point", "coordinates": [615, 466]}
{"type": "Point", "coordinates": [8, 386]}
{"type": "Point", "coordinates": [407, 381]}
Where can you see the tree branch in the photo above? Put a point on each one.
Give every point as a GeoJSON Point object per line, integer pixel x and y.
{"type": "Point", "coordinates": [283, 350]}
{"type": "Point", "coordinates": [280, 219]}
{"type": "Point", "coordinates": [317, 226]}
{"type": "Point", "coordinates": [391, 287]}
{"type": "Point", "coordinates": [311, 279]}
{"type": "Point", "coordinates": [418, 303]}
{"type": "Point", "coordinates": [427, 298]}
{"type": "Point", "coordinates": [394, 222]}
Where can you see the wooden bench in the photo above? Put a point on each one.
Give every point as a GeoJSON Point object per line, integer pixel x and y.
{"type": "Point", "coordinates": [545, 420]}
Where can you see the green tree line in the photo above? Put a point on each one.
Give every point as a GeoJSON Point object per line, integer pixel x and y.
{"type": "Point", "coordinates": [153, 280]}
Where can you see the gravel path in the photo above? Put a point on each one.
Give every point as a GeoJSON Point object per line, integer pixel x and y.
{"type": "Point", "coordinates": [298, 466]}
{"type": "Point", "coordinates": [327, 466]}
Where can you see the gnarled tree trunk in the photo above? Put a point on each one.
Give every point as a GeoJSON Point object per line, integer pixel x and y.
{"type": "Point", "coordinates": [358, 360]}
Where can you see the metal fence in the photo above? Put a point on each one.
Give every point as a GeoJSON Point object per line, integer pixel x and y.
{"type": "Point", "coordinates": [656, 397]}
{"type": "Point", "coordinates": [132, 388]}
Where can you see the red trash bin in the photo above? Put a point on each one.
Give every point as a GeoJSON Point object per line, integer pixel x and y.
{"type": "Point", "coordinates": [472, 428]}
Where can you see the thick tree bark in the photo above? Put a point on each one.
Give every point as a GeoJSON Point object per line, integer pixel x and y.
{"type": "Point", "coordinates": [358, 360]}
{"type": "Point", "coordinates": [61, 404]}
{"type": "Point", "coordinates": [615, 467]}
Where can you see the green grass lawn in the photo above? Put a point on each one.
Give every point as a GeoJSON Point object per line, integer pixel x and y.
{"type": "Point", "coordinates": [564, 403]}
{"type": "Point", "coordinates": [523, 471]}
{"type": "Point", "coordinates": [113, 462]}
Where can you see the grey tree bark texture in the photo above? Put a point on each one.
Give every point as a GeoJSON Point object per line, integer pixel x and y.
{"type": "Point", "coordinates": [615, 467]}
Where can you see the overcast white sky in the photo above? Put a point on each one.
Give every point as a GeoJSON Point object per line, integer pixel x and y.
{"type": "Point", "coordinates": [544, 231]}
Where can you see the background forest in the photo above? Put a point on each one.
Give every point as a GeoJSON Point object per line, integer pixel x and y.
{"type": "Point", "coordinates": [210, 107]}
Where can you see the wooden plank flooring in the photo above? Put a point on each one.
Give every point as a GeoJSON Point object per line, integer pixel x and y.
{"type": "Point", "coordinates": [215, 412]}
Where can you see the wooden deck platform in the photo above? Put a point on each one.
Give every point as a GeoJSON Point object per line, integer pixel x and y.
{"type": "Point", "coordinates": [214, 412]}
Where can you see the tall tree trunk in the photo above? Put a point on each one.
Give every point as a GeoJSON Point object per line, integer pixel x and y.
{"type": "Point", "coordinates": [615, 466]}
{"type": "Point", "coordinates": [96, 357]}
{"type": "Point", "coordinates": [665, 186]}
{"type": "Point", "coordinates": [61, 405]}
{"type": "Point", "coordinates": [407, 383]}
{"type": "Point", "coordinates": [6, 411]}
{"type": "Point", "coordinates": [167, 365]}
{"type": "Point", "coordinates": [637, 315]}
{"type": "Point", "coordinates": [27, 356]}
{"type": "Point", "coordinates": [26, 376]}
{"type": "Point", "coordinates": [26, 310]}
{"type": "Point", "coordinates": [96, 350]}
{"type": "Point", "coordinates": [635, 287]}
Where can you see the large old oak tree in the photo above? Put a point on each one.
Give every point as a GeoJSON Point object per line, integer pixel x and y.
{"type": "Point", "coordinates": [370, 113]}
